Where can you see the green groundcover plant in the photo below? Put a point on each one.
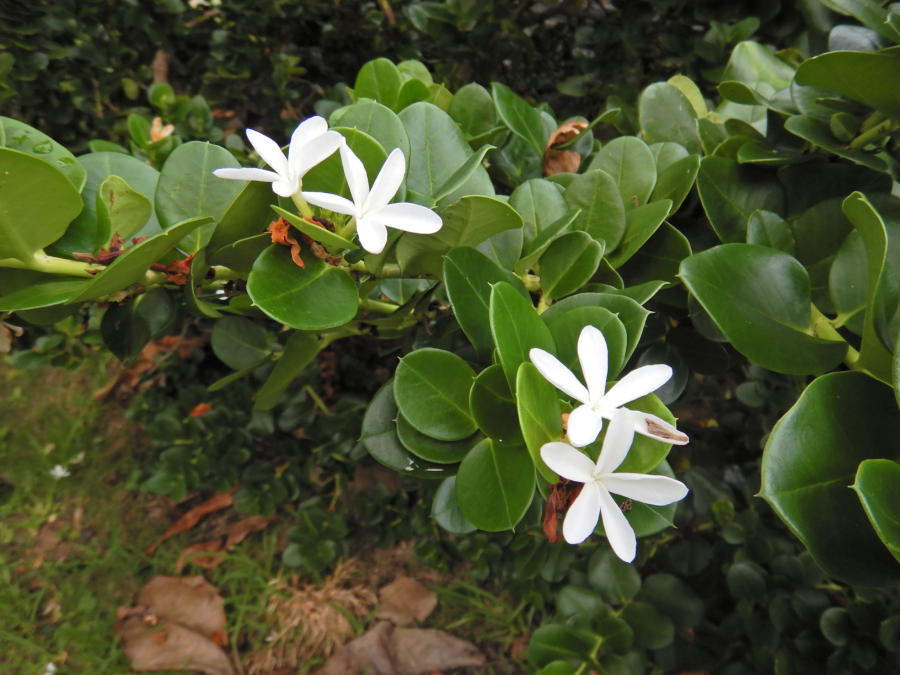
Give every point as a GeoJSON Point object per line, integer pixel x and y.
{"type": "Point", "coordinates": [519, 292]}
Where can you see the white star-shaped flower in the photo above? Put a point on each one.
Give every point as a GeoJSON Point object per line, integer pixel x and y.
{"type": "Point", "coordinates": [370, 207]}
{"type": "Point", "coordinates": [586, 421]}
{"type": "Point", "coordinates": [600, 483]}
{"type": "Point", "coordinates": [311, 143]}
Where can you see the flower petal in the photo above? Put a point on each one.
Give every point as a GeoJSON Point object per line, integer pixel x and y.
{"type": "Point", "coordinates": [388, 181]}
{"type": "Point", "coordinates": [247, 173]}
{"type": "Point", "coordinates": [619, 436]}
{"type": "Point", "coordinates": [408, 217]}
{"type": "Point", "coordinates": [618, 529]}
{"type": "Point", "coordinates": [654, 490]}
{"type": "Point", "coordinates": [568, 462]}
{"type": "Point", "coordinates": [593, 356]}
{"type": "Point", "coordinates": [284, 187]}
{"type": "Point", "coordinates": [314, 152]}
{"type": "Point", "coordinates": [558, 375]}
{"type": "Point", "coordinates": [372, 235]}
{"type": "Point", "coordinates": [582, 516]}
{"type": "Point", "coordinates": [584, 426]}
{"type": "Point", "coordinates": [269, 151]}
{"type": "Point", "coordinates": [355, 173]}
{"type": "Point", "coordinates": [335, 203]}
{"type": "Point", "coordinates": [305, 132]}
{"type": "Point", "coordinates": [637, 383]}
{"type": "Point", "coordinates": [655, 427]}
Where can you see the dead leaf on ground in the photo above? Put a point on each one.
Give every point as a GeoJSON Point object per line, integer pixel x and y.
{"type": "Point", "coordinates": [192, 602]}
{"type": "Point", "coordinates": [169, 646]}
{"type": "Point", "coordinates": [215, 503]}
{"type": "Point", "coordinates": [226, 538]}
{"type": "Point", "coordinates": [387, 650]}
{"type": "Point", "coordinates": [406, 600]}
{"type": "Point", "coordinates": [562, 161]}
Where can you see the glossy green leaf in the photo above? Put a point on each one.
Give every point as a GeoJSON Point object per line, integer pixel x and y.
{"type": "Point", "coordinates": [602, 213]}
{"type": "Point", "coordinates": [239, 342]}
{"type": "Point", "coordinates": [615, 580]}
{"type": "Point", "coordinates": [861, 76]}
{"type": "Point", "coordinates": [521, 118]}
{"type": "Point", "coordinates": [473, 108]}
{"type": "Point", "coordinates": [187, 188]}
{"type": "Point", "coordinates": [44, 294]}
{"type": "Point", "coordinates": [445, 509]}
{"type": "Point", "coordinates": [516, 328]}
{"type": "Point", "coordinates": [468, 276]}
{"type": "Point", "coordinates": [467, 222]}
{"type": "Point", "coordinates": [752, 62]}
{"type": "Point", "coordinates": [379, 79]}
{"type": "Point", "coordinates": [299, 351]}
{"type": "Point", "coordinates": [494, 407]}
{"type": "Point", "coordinates": [540, 415]}
{"type": "Point", "coordinates": [809, 462]}
{"type": "Point", "coordinates": [553, 642]}
{"type": "Point", "coordinates": [766, 228]}
{"type": "Point", "coordinates": [630, 163]}
{"type": "Point", "coordinates": [816, 132]}
{"type": "Point", "coordinates": [760, 299]}
{"type": "Point", "coordinates": [240, 255]}
{"type": "Point", "coordinates": [29, 221]}
{"type": "Point", "coordinates": [130, 266]}
{"type": "Point", "coordinates": [876, 486]}
{"type": "Point", "coordinates": [674, 598]}
{"type": "Point", "coordinates": [437, 149]}
{"type": "Point", "coordinates": [540, 203]}
{"type": "Point", "coordinates": [569, 263]}
{"type": "Point", "coordinates": [462, 174]}
{"type": "Point", "coordinates": [379, 436]}
{"type": "Point", "coordinates": [432, 391]}
{"type": "Point", "coordinates": [124, 333]}
{"type": "Point", "coordinates": [315, 297]}
{"type": "Point", "coordinates": [666, 115]}
{"type": "Point", "coordinates": [123, 209]}
{"type": "Point", "coordinates": [731, 192]}
{"type": "Point", "coordinates": [658, 259]}
{"type": "Point", "coordinates": [640, 224]}
{"type": "Point", "coordinates": [16, 135]}
{"type": "Point", "coordinates": [652, 629]}
{"type": "Point", "coordinates": [431, 449]}
{"type": "Point", "coordinates": [675, 181]}
{"type": "Point", "coordinates": [375, 119]}
{"type": "Point", "coordinates": [246, 216]}
{"type": "Point", "coordinates": [494, 486]}
{"type": "Point", "coordinates": [328, 175]}
{"type": "Point", "coordinates": [332, 241]}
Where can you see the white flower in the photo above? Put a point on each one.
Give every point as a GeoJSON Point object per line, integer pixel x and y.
{"type": "Point", "coordinates": [586, 421]}
{"type": "Point", "coordinates": [371, 208]}
{"type": "Point", "coordinates": [311, 142]}
{"type": "Point", "coordinates": [595, 500]}
{"type": "Point", "coordinates": [59, 471]}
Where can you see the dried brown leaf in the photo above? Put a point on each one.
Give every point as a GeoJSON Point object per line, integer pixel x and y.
{"type": "Point", "coordinates": [192, 602]}
{"type": "Point", "coordinates": [226, 538]}
{"type": "Point", "coordinates": [406, 600]}
{"type": "Point", "coordinates": [215, 503]}
{"type": "Point", "coordinates": [561, 161]}
{"type": "Point", "coordinates": [168, 646]}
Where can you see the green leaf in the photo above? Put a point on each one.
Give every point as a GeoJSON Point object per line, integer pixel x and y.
{"type": "Point", "coordinates": [16, 135]}
{"type": "Point", "coordinates": [44, 294]}
{"type": "Point", "coordinates": [809, 462]}
{"type": "Point", "coordinates": [494, 407]}
{"type": "Point", "coordinates": [876, 486]}
{"type": "Point", "coordinates": [616, 581]}
{"type": "Point", "coordinates": [29, 221]}
{"type": "Point", "coordinates": [652, 629]}
{"type": "Point", "coordinates": [328, 175]}
{"type": "Point", "coordinates": [465, 171]}
{"type": "Point", "coordinates": [130, 266]}
{"type": "Point", "coordinates": [437, 149]}
{"type": "Point", "coordinates": [431, 449]}
{"type": "Point", "coordinates": [569, 263]}
{"type": "Point", "coordinates": [473, 108]}
{"type": "Point", "coordinates": [379, 79]}
{"type": "Point", "coordinates": [299, 352]}
{"type": "Point", "coordinates": [602, 213]}
{"type": "Point", "coordinates": [752, 63]}
{"type": "Point", "coordinates": [332, 241]}
{"type": "Point", "coordinates": [124, 332]}
{"type": "Point", "coordinates": [494, 486]}
{"type": "Point", "coordinates": [521, 118]}
{"type": "Point", "coordinates": [675, 181]}
{"type": "Point", "coordinates": [468, 276]}
{"type": "Point", "coordinates": [445, 509]}
{"type": "Point", "coordinates": [122, 208]}
{"type": "Point", "coordinates": [376, 120]}
{"type": "Point", "coordinates": [315, 297]}
{"type": "Point", "coordinates": [551, 643]}
{"type": "Point", "coordinates": [630, 163]}
{"type": "Point", "coordinates": [379, 436]}
{"type": "Point", "coordinates": [765, 228]}
{"type": "Point", "coordinates": [467, 222]}
{"type": "Point", "coordinates": [816, 131]}
{"type": "Point", "coordinates": [731, 192]}
{"type": "Point", "coordinates": [674, 598]}
{"type": "Point", "coordinates": [540, 416]}
{"type": "Point", "coordinates": [187, 188]}
{"type": "Point", "coordinates": [239, 342]}
{"type": "Point", "coordinates": [666, 115]}
{"type": "Point", "coordinates": [861, 76]}
{"type": "Point", "coordinates": [516, 328]}
{"type": "Point", "coordinates": [640, 224]}
{"type": "Point", "coordinates": [246, 216]}
{"type": "Point", "coordinates": [658, 259]}
{"type": "Point", "coordinates": [540, 203]}
{"type": "Point", "coordinates": [432, 392]}
{"type": "Point", "coordinates": [760, 299]}
{"type": "Point", "coordinates": [577, 601]}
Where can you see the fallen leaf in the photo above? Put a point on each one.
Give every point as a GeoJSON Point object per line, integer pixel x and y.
{"type": "Point", "coordinates": [387, 650]}
{"type": "Point", "coordinates": [561, 161]}
{"type": "Point", "coordinates": [215, 503]}
{"type": "Point", "coordinates": [406, 600]}
{"type": "Point", "coordinates": [226, 538]}
{"type": "Point", "coordinates": [192, 602]}
{"type": "Point", "coordinates": [169, 646]}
